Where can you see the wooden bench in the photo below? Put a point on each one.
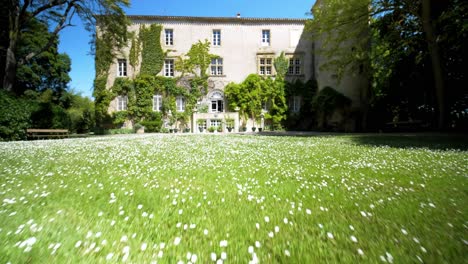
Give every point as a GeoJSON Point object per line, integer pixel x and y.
{"type": "Point", "coordinates": [35, 133]}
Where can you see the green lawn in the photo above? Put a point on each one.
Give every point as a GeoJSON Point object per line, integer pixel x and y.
{"type": "Point", "coordinates": [199, 198]}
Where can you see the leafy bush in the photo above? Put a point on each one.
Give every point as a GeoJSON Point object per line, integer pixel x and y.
{"type": "Point", "coordinates": [153, 123]}
{"type": "Point", "coordinates": [326, 102]}
{"type": "Point", "coordinates": [119, 118]}
{"type": "Point", "coordinates": [121, 131]}
{"type": "Point", "coordinates": [15, 116]}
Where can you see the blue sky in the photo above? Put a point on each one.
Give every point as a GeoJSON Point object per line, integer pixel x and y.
{"type": "Point", "coordinates": [75, 40]}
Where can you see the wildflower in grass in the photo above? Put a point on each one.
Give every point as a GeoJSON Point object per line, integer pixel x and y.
{"type": "Point", "coordinates": [112, 223]}
{"type": "Point", "coordinates": [360, 252]}
{"type": "Point", "coordinates": [287, 253]}
{"type": "Point", "coordinates": [271, 234]}
{"type": "Point", "coordinates": [160, 254]}
{"type": "Point", "coordinates": [109, 256]}
{"type": "Point", "coordinates": [223, 243]}
{"type": "Point", "coordinates": [257, 244]}
{"type": "Point", "coordinates": [78, 244]}
{"type": "Point", "coordinates": [354, 239]}
{"type": "Point", "coordinates": [285, 220]}
{"type": "Point", "coordinates": [98, 234]}
{"type": "Point", "coordinates": [223, 255]}
{"type": "Point", "coordinates": [124, 239]}
{"type": "Point", "coordinates": [389, 257]}
{"type": "Point", "coordinates": [404, 231]}
{"type": "Point", "coordinates": [308, 211]}
{"type": "Point", "coordinates": [257, 225]}
{"type": "Point", "coordinates": [177, 241]}
{"type": "Point", "coordinates": [251, 249]}
{"type": "Point", "coordinates": [330, 235]}
{"type": "Point", "coordinates": [140, 207]}
{"type": "Point", "coordinates": [126, 253]}
{"type": "Point", "coordinates": [363, 214]}
{"type": "Point", "coordinates": [205, 232]}
{"type": "Point", "coordinates": [351, 227]}
{"type": "Point", "coordinates": [143, 246]}
{"type": "Point", "coordinates": [267, 219]}
{"type": "Point", "coordinates": [277, 229]}
{"type": "Point", "coordinates": [213, 256]}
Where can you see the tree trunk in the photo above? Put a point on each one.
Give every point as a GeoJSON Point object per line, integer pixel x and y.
{"type": "Point", "coordinates": [10, 59]}
{"type": "Point", "coordinates": [10, 68]}
{"type": "Point", "coordinates": [436, 61]}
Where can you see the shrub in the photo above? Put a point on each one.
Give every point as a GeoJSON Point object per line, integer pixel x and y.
{"type": "Point", "coordinates": [15, 116]}
{"type": "Point", "coordinates": [326, 102]}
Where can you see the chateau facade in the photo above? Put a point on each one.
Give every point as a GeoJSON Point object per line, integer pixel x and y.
{"type": "Point", "coordinates": [243, 45]}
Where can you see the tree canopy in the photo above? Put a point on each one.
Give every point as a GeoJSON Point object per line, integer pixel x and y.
{"type": "Point", "coordinates": [406, 48]}
{"type": "Point", "coordinates": [57, 14]}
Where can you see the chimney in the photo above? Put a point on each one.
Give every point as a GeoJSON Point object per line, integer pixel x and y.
{"type": "Point", "coordinates": [238, 15]}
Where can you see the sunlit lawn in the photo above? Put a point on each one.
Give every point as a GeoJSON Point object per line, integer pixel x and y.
{"type": "Point", "coordinates": [169, 199]}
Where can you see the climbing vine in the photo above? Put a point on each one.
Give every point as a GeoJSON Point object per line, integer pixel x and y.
{"type": "Point", "coordinates": [152, 55]}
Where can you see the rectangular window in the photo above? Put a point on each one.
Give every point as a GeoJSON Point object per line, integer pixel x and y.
{"type": "Point", "coordinates": [216, 37]}
{"type": "Point", "coordinates": [265, 66]}
{"type": "Point", "coordinates": [217, 66]}
{"type": "Point", "coordinates": [217, 106]}
{"type": "Point", "coordinates": [122, 102]}
{"type": "Point", "coordinates": [180, 104]}
{"type": "Point", "coordinates": [295, 104]}
{"type": "Point", "coordinates": [169, 37]}
{"type": "Point", "coordinates": [266, 37]}
{"type": "Point", "coordinates": [169, 68]}
{"type": "Point", "coordinates": [122, 67]}
{"type": "Point", "coordinates": [157, 103]}
{"type": "Point", "coordinates": [295, 66]}
{"type": "Point", "coordinates": [215, 123]}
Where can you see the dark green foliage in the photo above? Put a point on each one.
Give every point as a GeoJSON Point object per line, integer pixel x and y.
{"type": "Point", "coordinates": [306, 118]}
{"type": "Point", "coordinates": [326, 102]}
{"type": "Point", "coordinates": [152, 56]}
{"type": "Point", "coordinates": [15, 116]}
{"type": "Point", "coordinates": [153, 123]}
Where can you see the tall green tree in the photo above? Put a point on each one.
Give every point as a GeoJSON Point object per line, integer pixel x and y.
{"type": "Point", "coordinates": [47, 70]}
{"type": "Point", "coordinates": [59, 14]}
{"type": "Point", "coordinates": [342, 23]}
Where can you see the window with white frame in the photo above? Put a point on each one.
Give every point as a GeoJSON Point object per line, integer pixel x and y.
{"type": "Point", "coordinates": [217, 102]}
{"type": "Point", "coordinates": [180, 104]}
{"type": "Point", "coordinates": [295, 66]}
{"type": "Point", "coordinates": [215, 122]}
{"type": "Point", "coordinates": [157, 103]}
{"type": "Point", "coordinates": [216, 37]}
{"type": "Point", "coordinates": [265, 66]}
{"type": "Point", "coordinates": [295, 104]}
{"type": "Point", "coordinates": [121, 67]}
{"type": "Point", "coordinates": [169, 36]}
{"type": "Point", "coordinates": [266, 37]}
{"type": "Point", "coordinates": [169, 68]}
{"type": "Point", "coordinates": [217, 66]}
{"type": "Point", "coordinates": [122, 101]}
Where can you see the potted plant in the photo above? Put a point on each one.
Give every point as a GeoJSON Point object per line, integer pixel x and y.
{"type": "Point", "coordinates": [186, 130]}
{"type": "Point", "coordinates": [229, 124]}
{"type": "Point", "coordinates": [219, 129]}
{"type": "Point", "coordinates": [211, 129]}
{"type": "Point", "coordinates": [254, 128]}
{"type": "Point", "coordinates": [201, 123]}
{"type": "Point", "coordinates": [260, 129]}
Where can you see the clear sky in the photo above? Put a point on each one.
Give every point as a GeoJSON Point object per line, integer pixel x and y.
{"type": "Point", "coordinates": [75, 40]}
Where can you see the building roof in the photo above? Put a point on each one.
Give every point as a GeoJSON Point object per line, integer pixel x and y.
{"type": "Point", "coordinates": [141, 18]}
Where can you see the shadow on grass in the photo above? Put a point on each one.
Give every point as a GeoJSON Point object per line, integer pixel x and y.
{"type": "Point", "coordinates": [434, 141]}
{"type": "Point", "coordinates": [430, 141]}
